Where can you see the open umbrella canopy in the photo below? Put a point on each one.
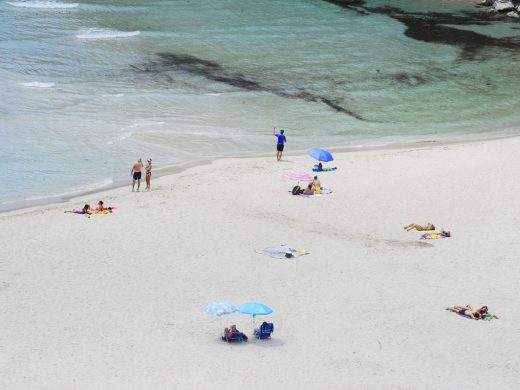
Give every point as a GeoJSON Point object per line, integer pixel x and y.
{"type": "Point", "coordinates": [220, 308]}
{"type": "Point", "coordinates": [298, 176]}
{"type": "Point", "coordinates": [255, 309]}
{"type": "Point", "coordinates": [320, 154]}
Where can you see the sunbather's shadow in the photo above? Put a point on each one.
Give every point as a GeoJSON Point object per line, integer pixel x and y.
{"type": "Point", "coordinates": [266, 343]}
{"type": "Point", "coordinates": [232, 343]}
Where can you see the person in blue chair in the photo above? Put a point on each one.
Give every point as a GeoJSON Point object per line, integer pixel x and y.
{"type": "Point", "coordinates": [262, 332]}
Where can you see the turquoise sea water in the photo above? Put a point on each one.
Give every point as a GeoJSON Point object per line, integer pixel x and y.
{"type": "Point", "coordinates": [88, 87]}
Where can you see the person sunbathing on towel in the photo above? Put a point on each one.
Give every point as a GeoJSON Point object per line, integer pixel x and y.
{"type": "Point", "coordinates": [429, 226]}
{"type": "Point", "coordinates": [85, 210]}
{"type": "Point", "coordinates": [468, 311]}
{"type": "Point", "coordinates": [101, 207]}
{"type": "Point", "coordinates": [309, 190]}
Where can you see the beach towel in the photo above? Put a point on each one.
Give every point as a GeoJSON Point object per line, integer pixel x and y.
{"type": "Point", "coordinates": [279, 252]}
{"type": "Point", "coordinates": [316, 168]}
{"type": "Point", "coordinates": [324, 191]}
{"type": "Point", "coordinates": [432, 236]}
{"type": "Point", "coordinates": [99, 212]}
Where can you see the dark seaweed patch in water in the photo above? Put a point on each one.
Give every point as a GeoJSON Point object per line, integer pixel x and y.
{"type": "Point", "coordinates": [407, 79]}
{"type": "Point", "coordinates": [431, 27]}
{"type": "Point", "coordinates": [168, 62]}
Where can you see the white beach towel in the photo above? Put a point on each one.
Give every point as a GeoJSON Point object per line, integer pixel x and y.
{"type": "Point", "coordinates": [279, 252]}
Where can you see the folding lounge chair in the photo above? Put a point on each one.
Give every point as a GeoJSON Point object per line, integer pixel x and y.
{"type": "Point", "coordinates": [265, 331]}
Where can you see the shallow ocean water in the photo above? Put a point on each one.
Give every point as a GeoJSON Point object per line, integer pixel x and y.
{"type": "Point", "coordinates": [88, 87]}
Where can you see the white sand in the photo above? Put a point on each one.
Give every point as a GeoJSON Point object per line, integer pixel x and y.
{"type": "Point", "coordinates": [116, 301]}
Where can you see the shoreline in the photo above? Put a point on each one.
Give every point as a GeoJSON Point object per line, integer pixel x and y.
{"type": "Point", "coordinates": [118, 183]}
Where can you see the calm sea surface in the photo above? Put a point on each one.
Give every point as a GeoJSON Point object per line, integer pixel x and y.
{"type": "Point", "coordinates": [88, 87]}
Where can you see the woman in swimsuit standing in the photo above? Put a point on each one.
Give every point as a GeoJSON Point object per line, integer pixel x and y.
{"type": "Point", "coordinates": [148, 173]}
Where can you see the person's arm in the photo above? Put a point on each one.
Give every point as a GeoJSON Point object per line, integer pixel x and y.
{"type": "Point", "coordinates": [132, 172]}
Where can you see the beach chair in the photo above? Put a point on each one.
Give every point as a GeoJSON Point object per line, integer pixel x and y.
{"type": "Point", "coordinates": [265, 330]}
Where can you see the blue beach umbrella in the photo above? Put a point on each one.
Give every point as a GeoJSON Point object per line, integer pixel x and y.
{"type": "Point", "coordinates": [320, 154]}
{"type": "Point", "coordinates": [220, 309]}
{"type": "Point", "coordinates": [255, 309]}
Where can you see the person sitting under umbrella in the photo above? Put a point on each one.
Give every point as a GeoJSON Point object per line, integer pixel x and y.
{"type": "Point", "coordinates": [233, 332]}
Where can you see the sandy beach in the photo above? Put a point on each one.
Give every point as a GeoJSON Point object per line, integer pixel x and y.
{"type": "Point", "coordinates": [117, 301]}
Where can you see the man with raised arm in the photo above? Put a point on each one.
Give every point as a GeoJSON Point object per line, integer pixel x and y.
{"type": "Point", "coordinates": [281, 140]}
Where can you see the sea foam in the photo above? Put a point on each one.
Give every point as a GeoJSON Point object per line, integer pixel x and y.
{"type": "Point", "coordinates": [38, 84]}
{"type": "Point", "coordinates": [41, 4]}
{"type": "Point", "coordinates": [105, 34]}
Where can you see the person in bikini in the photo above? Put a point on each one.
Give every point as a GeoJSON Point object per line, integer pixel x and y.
{"type": "Point", "coordinates": [429, 226]}
{"type": "Point", "coordinates": [85, 210]}
{"type": "Point", "coordinates": [136, 174]}
{"type": "Point", "coordinates": [468, 311]}
{"type": "Point", "coordinates": [148, 173]}
{"type": "Point", "coordinates": [101, 207]}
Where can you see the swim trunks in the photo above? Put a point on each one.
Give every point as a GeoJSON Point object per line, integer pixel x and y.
{"type": "Point", "coordinates": [279, 147]}
{"type": "Point", "coordinates": [137, 175]}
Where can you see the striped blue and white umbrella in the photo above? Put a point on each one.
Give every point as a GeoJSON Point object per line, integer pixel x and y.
{"type": "Point", "coordinates": [220, 308]}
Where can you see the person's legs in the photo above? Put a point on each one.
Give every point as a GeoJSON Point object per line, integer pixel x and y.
{"type": "Point", "coordinates": [133, 185]}
{"type": "Point", "coordinates": [456, 309]}
{"type": "Point", "coordinates": [148, 176]}
{"type": "Point", "coordinates": [138, 184]}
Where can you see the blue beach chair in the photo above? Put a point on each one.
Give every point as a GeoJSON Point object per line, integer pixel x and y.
{"type": "Point", "coordinates": [265, 330]}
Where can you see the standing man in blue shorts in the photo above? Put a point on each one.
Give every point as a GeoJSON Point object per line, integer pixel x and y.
{"type": "Point", "coordinates": [280, 144]}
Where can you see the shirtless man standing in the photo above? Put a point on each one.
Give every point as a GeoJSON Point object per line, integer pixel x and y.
{"type": "Point", "coordinates": [136, 173]}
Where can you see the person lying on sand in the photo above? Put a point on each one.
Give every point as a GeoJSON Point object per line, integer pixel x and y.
{"type": "Point", "coordinates": [429, 226]}
{"type": "Point", "coordinates": [101, 207]}
{"type": "Point", "coordinates": [309, 190]}
{"type": "Point", "coordinates": [468, 311]}
{"type": "Point", "coordinates": [85, 210]}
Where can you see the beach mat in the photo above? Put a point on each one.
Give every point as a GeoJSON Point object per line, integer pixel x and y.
{"type": "Point", "coordinates": [324, 191]}
{"type": "Point", "coordinates": [278, 252]}
{"type": "Point", "coordinates": [317, 169]}
{"type": "Point", "coordinates": [432, 236]}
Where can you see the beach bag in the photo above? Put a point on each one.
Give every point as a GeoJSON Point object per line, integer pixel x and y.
{"type": "Point", "coordinates": [296, 190]}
